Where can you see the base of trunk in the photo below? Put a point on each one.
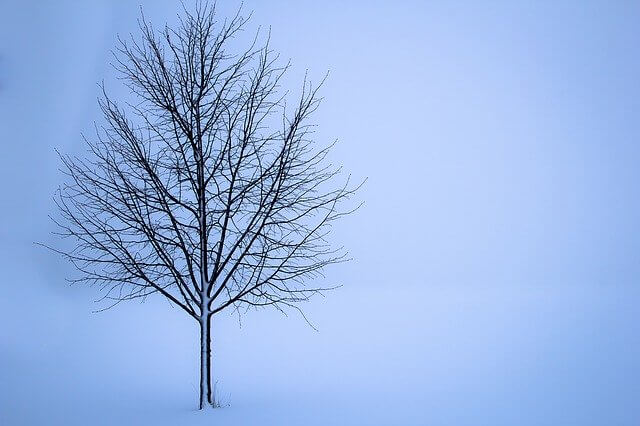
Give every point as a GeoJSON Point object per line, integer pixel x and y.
{"type": "Point", "coordinates": [206, 393]}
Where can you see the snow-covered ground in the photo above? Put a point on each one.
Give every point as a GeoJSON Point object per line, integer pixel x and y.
{"type": "Point", "coordinates": [428, 355]}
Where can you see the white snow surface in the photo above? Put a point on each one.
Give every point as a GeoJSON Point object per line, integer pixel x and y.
{"type": "Point", "coordinates": [442, 355]}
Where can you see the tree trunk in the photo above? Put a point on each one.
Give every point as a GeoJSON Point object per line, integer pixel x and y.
{"type": "Point", "coordinates": [206, 397]}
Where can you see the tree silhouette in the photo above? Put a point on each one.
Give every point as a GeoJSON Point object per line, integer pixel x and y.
{"type": "Point", "coordinates": [207, 189]}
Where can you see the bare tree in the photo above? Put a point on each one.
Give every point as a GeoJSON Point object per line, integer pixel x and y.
{"type": "Point", "coordinates": [207, 189]}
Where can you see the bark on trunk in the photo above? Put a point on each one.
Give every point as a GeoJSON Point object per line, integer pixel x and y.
{"type": "Point", "coordinates": [206, 396]}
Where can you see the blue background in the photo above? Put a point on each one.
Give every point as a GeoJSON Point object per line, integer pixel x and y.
{"type": "Point", "coordinates": [497, 255]}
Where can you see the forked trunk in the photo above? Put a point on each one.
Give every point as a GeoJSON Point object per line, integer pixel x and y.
{"type": "Point", "coordinates": [206, 396]}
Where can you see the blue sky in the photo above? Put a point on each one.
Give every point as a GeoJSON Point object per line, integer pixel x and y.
{"type": "Point", "coordinates": [496, 255]}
